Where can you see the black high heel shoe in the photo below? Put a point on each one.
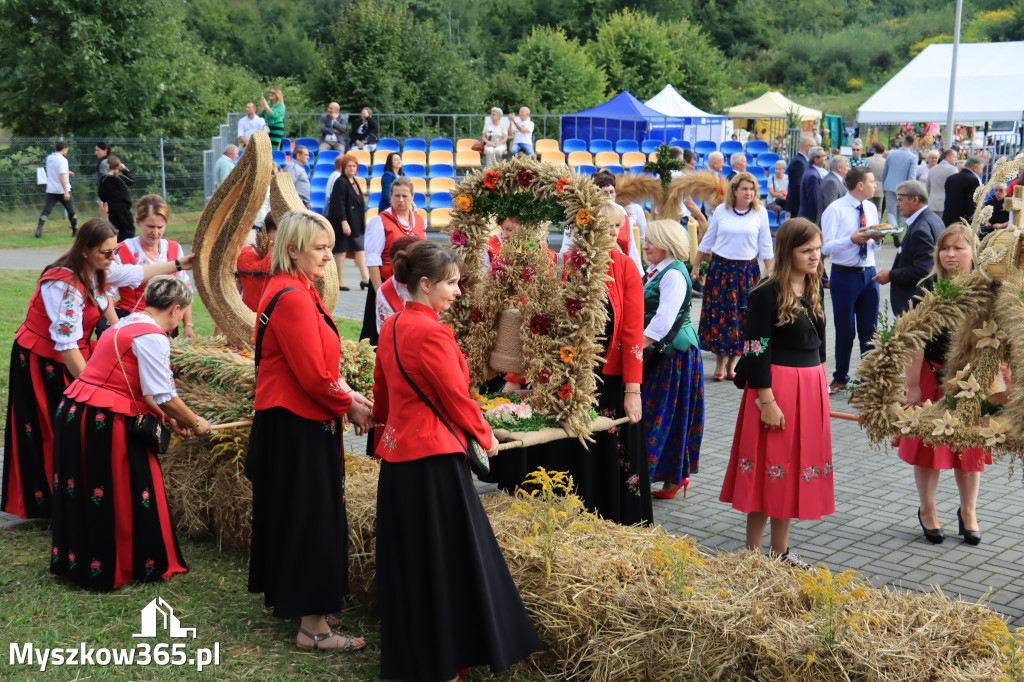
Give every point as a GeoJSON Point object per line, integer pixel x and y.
{"type": "Point", "coordinates": [364, 285]}
{"type": "Point", "coordinates": [933, 535]}
{"type": "Point", "coordinates": [971, 537]}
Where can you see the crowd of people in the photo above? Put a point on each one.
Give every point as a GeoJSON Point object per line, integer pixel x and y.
{"type": "Point", "coordinates": [86, 417]}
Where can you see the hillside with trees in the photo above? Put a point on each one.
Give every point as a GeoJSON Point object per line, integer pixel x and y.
{"type": "Point", "coordinates": [174, 68]}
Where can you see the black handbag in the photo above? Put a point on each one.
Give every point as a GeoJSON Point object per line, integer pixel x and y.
{"type": "Point", "coordinates": [479, 463]}
{"type": "Point", "coordinates": [739, 378]}
{"type": "Point", "coordinates": [144, 428]}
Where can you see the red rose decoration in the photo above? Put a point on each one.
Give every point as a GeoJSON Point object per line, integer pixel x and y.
{"type": "Point", "coordinates": [573, 306]}
{"type": "Point", "coordinates": [145, 494]}
{"type": "Point", "coordinates": [528, 272]}
{"type": "Point", "coordinates": [98, 492]}
{"type": "Point", "coordinates": [577, 258]}
{"type": "Point", "coordinates": [525, 178]}
{"type": "Point", "coordinates": [544, 376]}
{"type": "Point", "coordinates": [458, 238]}
{"type": "Point", "coordinates": [564, 392]}
{"type": "Point", "coordinates": [477, 316]}
{"type": "Point", "coordinates": [491, 179]}
{"type": "Point", "coordinates": [95, 564]}
{"type": "Point", "coordinates": [71, 483]}
{"type": "Point", "coordinates": [150, 563]}
{"type": "Point", "coordinates": [55, 551]}
{"type": "Point", "coordinates": [71, 557]}
{"type": "Point", "coordinates": [560, 185]}
{"type": "Point", "coordinates": [540, 324]}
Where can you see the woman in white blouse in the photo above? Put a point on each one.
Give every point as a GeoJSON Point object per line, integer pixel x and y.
{"type": "Point", "coordinates": [495, 136]}
{"type": "Point", "coordinates": [778, 190]}
{"type": "Point", "coordinates": [50, 348]}
{"type": "Point", "coordinates": [737, 234]}
{"type": "Point", "coordinates": [111, 523]}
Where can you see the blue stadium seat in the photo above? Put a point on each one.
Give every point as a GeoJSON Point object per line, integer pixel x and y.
{"type": "Point", "coordinates": [280, 158]}
{"type": "Point", "coordinates": [414, 170]}
{"type": "Point", "coordinates": [617, 170]}
{"type": "Point", "coordinates": [573, 144]}
{"type": "Point", "coordinates": [705, 147]}
{"type": "Point", "coordinates": [756, 147]}
{"type": "Point", "coordinates": [601, 146]}
{"type": "Point", "coordinates": [363, 171]}
{"type": "Point", "coordinates": [419, 199]}
{"type": "Point", "coordinates": [417, 144]}
{"type": "Point", "coordinates": [286, 145]}
{"type": "Point", "coordinates": [767, 159]}
{"type": "Point", "coordinates": [442, 144]}
{"type": "Point", "coordinates": [442, 170]}
{"type": "Point", "coordinates": [309, 143]}
{"type": "Point", "coordinates": [623, 146]}
{"type": "Point", "coordinates": [327, 156]}
{"type": "Point", "coordinates": [636, 169]}
{"type": "Point", "coordinates": [316, 199]}
{"type": "Point", "coordinates": [440, 200]}
{"type": "Point", "coordinates": [378, 169]}
{"type": "Point", "coordinates": [374, 199]}
{"type": "Point", "coordinates": [773, 221]}
{"type": "Point", "coordinates": [726, 169]}
{"type": "Point", "coordinates": [650, 146]}
{"type": "Point", "coordinates": [323, 170]}
{"type": "Point", "coordinates": [318, 183]}
{"type": "Point", "coordinates": [388, 144]}
{"type": "Point", "coordinates": [684, 144]}
{"type": "Point", "coordinates": [585, 170]}
{"type": "Point", "coordinates": [730, 147]}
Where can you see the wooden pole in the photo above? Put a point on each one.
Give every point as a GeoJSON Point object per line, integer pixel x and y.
{"type": "Point", "coordinates": [230, 425]}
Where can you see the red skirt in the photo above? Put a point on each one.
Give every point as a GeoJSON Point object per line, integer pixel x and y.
{"type": "Point", "coordinates": [784, 474]}
{"type": "Point", "coordinates": [913, 451]}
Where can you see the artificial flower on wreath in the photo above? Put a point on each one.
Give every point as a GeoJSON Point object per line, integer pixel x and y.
{"type": "Point", "coordinates": [490, 179]}
{"type": "Point", "coordinates": [564, 392]}
{"type": "Point", "coordinates": [583, 216]}
{"type": "Point", "coordinates": [560, 185]}
{"type": "Point", "coordinates": [568, 353]}
{"type": "Point", "coordinates": [539, 324]}
{"type": "Point", "coordinates": [458, 238]}
{"type": "Point", "coordinates": [464, 202]}
{"type": "Point", "coordinates": [525, 178]}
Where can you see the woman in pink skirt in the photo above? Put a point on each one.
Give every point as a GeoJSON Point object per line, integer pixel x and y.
{"type": "Point", "coordinates": [780, 467]}
{"type": "Point", "coordinates": [953, 252]}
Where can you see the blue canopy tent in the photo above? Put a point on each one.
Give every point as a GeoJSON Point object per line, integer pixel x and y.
{"type": "Point", "coordinates": [623, 117]}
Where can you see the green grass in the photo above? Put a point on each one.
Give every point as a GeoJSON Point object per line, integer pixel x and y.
{"type": "Point", "coordinates": [18, 233]}
{"type": "Point", "coordinates": [47, 611]}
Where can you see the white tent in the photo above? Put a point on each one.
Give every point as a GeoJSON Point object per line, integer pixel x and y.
{"type": "Point", "coordinates": [772, 105]}
{"type": "Point", "coordinates": [671, 103]}
{"type": "Point", "coordinates": [988, 86]}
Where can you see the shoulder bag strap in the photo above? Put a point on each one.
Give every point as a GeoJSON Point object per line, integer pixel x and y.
{"type": "Point", "coordinates": [261, 326]}
{"type": "Point", "coordinates": [138, 407]}
{"type": "Point", "coordinates": [423, 397]}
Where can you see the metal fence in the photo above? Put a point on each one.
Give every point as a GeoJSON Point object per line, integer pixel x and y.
{"type": "Point", "coordinates": [171, 168]}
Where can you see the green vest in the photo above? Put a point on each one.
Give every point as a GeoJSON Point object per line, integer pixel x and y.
{"type": "Point", "coordinates": [686, 336]}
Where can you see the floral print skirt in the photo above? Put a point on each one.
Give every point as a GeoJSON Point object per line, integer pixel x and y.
{"type": "Point", "coordinates": [35, 389]}
{"type": "Point", "coordinates": [674, 415]}
{"type": "Point", "coordinates": [785, 473]}
{"type": "Point", "coordinates": [723, 313]}
{"type": "Point", "coordinates": [111, 524]}
{"type": "Point", "coordinates": [913, 451]}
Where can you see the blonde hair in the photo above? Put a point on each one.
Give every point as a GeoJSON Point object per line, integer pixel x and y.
{"type": "Point", "coordinates": [297, 228]}
{"type": "Point", "coordinates": [955, 230]}
{"type": "Point", "coordinates": [670, 236]}
{"type": "Point", "coordinates": [730, 193]}
{"type": "Point", "coordinates": [150, 204]}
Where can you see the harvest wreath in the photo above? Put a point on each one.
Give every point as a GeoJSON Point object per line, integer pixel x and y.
{"type": "Point", "coordinates": [562, 319]}
{"type": "Point", "coordinates": [983, 312]}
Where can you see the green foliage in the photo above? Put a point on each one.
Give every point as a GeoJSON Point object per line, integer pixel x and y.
{"type": "Point", "coordinates": [381, 55]}
{"type": "Point", "coordinates": [664, 165]}
{"type": "Point", "coordinates": [520, 205]}
{"type": "Point", "coordinates": [946, 288]}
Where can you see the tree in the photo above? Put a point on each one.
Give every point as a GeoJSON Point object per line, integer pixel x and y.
{"type": "Point", "coordinates": [550, 74]}
{"type": "Point", "coordinates": [382, 57]}
{"type": "Point", "coordinates": [105, 68]}
{"type": "Point", "coordinates": [642, 54]}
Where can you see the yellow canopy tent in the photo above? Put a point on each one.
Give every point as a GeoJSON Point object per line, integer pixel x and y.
{"type": "Point", "coordinates": [769, 112]}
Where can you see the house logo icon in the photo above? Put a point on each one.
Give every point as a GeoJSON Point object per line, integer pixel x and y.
{"type": "Point", "coordinates": [158, 611]}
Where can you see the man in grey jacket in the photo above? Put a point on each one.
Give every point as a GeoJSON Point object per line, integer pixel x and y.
{"type": "Point", "coordinates": [900, 166]}
{"type": "Point", "coordinates": [937, 181]}
{"type": "Point", "coordinates": [832, 186]}
{"type": "Point", "coordinates": [333, 129]}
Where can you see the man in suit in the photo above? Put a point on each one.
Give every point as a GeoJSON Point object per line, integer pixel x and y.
{"type": "Point", "coordinates": [960, 192]}
{"type": "Point", "coordinates": [937, 181]}
{"type": "Point", "coordinates": [900, 166]}
{"type": "Point", "coordinates": [795, 172]}
{"type": "Point", "coordinates": [915, 260]}
{"type": "Point", "coordinates": [832, 187]}
{"type": "Point", "coordinates": [738, 163]}
{"type": "Point", "coordinates": [810, 183]}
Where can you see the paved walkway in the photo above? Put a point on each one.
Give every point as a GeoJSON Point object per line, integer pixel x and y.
{"type": "Point", "coordinates": [874, 529]}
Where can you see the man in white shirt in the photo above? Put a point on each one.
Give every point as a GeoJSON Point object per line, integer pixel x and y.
{"type": "Point", "coordinates": [937, 181]}
{"type": "Point", "coordinates": [521, 131]}
{"type": "Point", "coordinates": [58, 188]}
{"type": "Point", "coordinates": [249, 124]}
{"type": "Point", "coordinates": [855, 295]}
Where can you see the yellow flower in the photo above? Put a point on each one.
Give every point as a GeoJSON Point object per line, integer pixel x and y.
{"type": "Point", "coordinates": [906, 417]}
{"type": "Point", "coordinates": [583, 216]}
{"type": "Point", "coordinates": [946, 425]}
{"type": "Point", "coordinates": [464, 202]}
{"type": "Point", "coordinates": [989, 335]}
{"type": "Point", "coordinates": [971, 387]}
{"type": "Point", "coordinates": [568, 353]}
{"type": "Point", "coordinates": [994, 433]}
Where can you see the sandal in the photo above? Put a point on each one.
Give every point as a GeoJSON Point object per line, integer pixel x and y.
{"type": "Point", "coordinates": [348, 643]}
{"type": "Point", "coordinates": [332, 621]}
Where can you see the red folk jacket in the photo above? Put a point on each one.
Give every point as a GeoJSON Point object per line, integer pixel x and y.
{"type": "Point", "coordinates": [626, 293]}
{"type": "Point", "coordinates": [434, 361]}
{"type": "Point", "coordinates": [34, 333]}
{"type": "Point", "coordinates": [253, 274]}
{"type": "Point", "coordinates": [135, 299]}
{"type": "Point", "coordinates": [299, 359]}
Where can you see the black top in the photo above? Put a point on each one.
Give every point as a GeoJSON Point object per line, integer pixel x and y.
{"type": "Point", "coordinates": [113, 190]}
{"type": "Point", "coordinates": [999, 215]}
{"type": "Point", "coordinates": [365, 131]}
{"type": "Point", "coordinates": [936, 350]}
{"type": "Point", "coordinates": [800, 343]}
{"type": "Point", "coordinates": [347, 204]}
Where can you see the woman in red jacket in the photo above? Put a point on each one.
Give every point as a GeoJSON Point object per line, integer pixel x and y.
{"type": "Point", "coordinates": [447, 600]}
{"type": "Point", "coordinates": [299, 553]}
{"type": "Point", "coordinates": [50, 349]}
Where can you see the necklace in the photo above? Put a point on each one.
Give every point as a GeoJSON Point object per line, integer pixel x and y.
{"type": "Point", "coordinates": [743, 213]}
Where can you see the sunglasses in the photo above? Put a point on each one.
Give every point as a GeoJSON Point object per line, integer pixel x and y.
{"type": "Point", "coordinates": [107, 253]}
